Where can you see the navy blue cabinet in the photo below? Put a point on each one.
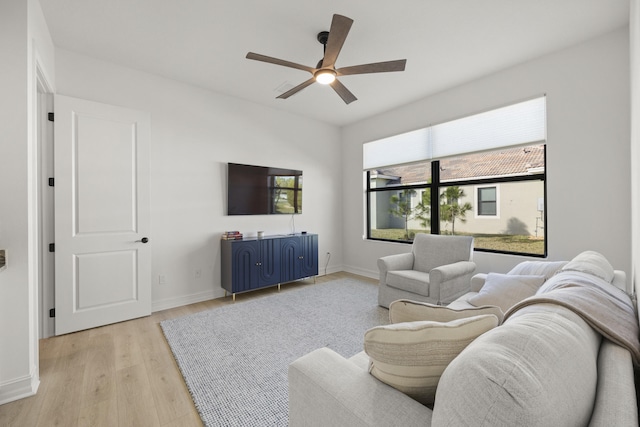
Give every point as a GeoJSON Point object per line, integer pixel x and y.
{"type": "Point", "coordinates": [257, 263]}
{"type": "Point", "coordinates": [299, 257]}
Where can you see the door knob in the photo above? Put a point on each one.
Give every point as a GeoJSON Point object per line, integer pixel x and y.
{"type": "Point", "coordinates": [143, 240]}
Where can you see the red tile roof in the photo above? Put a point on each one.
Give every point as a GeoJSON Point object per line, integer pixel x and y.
{"type": "Point", "coordinates": [507, 162]}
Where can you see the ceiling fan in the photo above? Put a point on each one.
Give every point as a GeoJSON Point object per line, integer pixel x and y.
{"type": "Point", "coordinates": [325, 71]}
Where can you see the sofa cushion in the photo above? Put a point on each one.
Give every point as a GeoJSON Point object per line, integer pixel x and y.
{"type": "Point", "coordinates": [538, 369]}
{"type": "Point", "coordinates": [405, 310]}
{"type": "Point", "coordinates": [505, 290]}
{"type": "Point", "coordinates": [409, 280]}
{"type": "Point", "coordinates": [411, 356]}
{"type": "Point", "coordinates": [593, 263]}
{"type": "Point", "coordinates": [538, 268]}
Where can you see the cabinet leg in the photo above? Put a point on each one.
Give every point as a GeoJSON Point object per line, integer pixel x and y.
{"type": "Point", "coordinates": [233, 296]}
{"type": "Point", "coordinates": [225, 293]}
{"type": "Point", "coordinates": [278, 287]}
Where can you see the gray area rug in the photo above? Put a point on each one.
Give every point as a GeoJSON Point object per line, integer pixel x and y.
{"type": "Point", "coordinates": [234, 359]}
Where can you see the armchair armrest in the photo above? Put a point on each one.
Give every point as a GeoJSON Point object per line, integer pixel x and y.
{"type": "Point", "coordinates": [452, 271]}
{"type": "Point", "coordinates": [326, 389]}
{"type": "Point", "coordinates": [394, 262]}
{"type": "Point", "coordinates": [450, 280]}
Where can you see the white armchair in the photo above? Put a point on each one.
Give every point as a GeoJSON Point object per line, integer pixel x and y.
{"type": "Point", "coordinates": [437, 270]}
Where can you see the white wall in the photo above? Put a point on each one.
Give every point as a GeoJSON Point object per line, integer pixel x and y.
{"type": "Point", "coordinates": [24, 42]}
{"type": "Point", "coordinates": [195, 132]}
{"type": "Point", "coordinates": [588, 171]}
{"type": "Point", "coordinates": [635, 136]}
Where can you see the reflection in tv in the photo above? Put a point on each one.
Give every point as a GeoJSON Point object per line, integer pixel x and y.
{"type": "Point", "coordinates": [260, 190]}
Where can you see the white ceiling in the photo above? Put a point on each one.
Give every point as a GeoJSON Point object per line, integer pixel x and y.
{"type": "Point", "coordinates": [445, 42]}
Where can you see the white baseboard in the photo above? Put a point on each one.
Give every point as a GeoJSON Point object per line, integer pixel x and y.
{"type": "Point", "coordinates": [330, 269]}
{"type": "Point", "coordinates": [372, 274]}
{"type": "Point", "coordinates": [167, 303]}
{"type": "Point", "coordinates": [19, 388]}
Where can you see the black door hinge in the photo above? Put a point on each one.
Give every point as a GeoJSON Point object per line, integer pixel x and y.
{"type": "Point", "coordinates": [52, 247]}
{"type": "Point", "coordinates": [50, 116]}
{"type": "Point", "coordinates": [51, 182]}
{"type": "Point", "coordinates": [52, 312]}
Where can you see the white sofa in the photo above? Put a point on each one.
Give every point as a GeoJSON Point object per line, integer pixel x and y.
{"type": "Point", "coordinates": [545, 365]}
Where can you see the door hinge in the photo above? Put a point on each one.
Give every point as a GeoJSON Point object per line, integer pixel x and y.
{"type": "Point", "coordinates": [51, 182]}
{"type": "Point", "coordinates": [50, 116]}
{"type": "Point", "coordinates": [52, 312]}
{"type": "Point", "coordinates": [52, 247]}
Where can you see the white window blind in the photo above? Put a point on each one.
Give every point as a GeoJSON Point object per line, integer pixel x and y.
{"type": "Point", "coordinates": [517, 124]}
{"type": "Point", "coordinates": [404, 148]}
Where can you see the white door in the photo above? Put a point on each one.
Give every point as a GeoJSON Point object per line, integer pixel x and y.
{"type": "Point", "coordinates": [102, 258]}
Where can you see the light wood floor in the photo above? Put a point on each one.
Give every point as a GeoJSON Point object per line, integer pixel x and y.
{"type": "Point", "coordinates": [118, 375]}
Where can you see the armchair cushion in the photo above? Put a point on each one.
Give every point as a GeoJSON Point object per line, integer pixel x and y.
{"type": "Point", "coordinates": [505, 290]}
{"type": "Point", "coordinates": [409, 280]}
{"type": "Point", "coordinates": [411, 356]}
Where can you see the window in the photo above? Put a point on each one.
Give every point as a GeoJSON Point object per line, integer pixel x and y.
{"type": "Point", "coordinates": [487, 201]}
{"type": "Point", "coordinates": [496, 195]}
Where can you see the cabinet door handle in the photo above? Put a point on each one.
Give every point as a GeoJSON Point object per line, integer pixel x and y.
{"type": "Point", "coordinates": [143, 240]}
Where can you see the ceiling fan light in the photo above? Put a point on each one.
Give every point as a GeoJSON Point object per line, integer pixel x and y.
{"type": "Point", "coordinates": [325, 77]}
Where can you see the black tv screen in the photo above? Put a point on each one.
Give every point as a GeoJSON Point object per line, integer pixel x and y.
{"type": "Point", "coordinates": [261, 190]}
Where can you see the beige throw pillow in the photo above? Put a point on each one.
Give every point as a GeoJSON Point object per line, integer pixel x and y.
{"type": "Point", "coordinates": [404, 310]}
{"type": "Point", "coordinates": [505, 290]}
{"type": "Point", "coordinates": [411, 356]}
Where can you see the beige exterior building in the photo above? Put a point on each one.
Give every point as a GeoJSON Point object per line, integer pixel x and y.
{"type": "Point", "coordinates": [514, 208]}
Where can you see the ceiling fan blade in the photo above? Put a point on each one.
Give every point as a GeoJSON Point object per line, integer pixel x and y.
{"type": "Point", "coordinates": [344, 93]}
{"type": "Point", "coordinates": [340, 26]}
{"type": "Point", "coordinates": [376, 67]}
{"type": "Point", "coordinates": [264, 58]}
{"type": "Point", "coordinates": [296, 89]}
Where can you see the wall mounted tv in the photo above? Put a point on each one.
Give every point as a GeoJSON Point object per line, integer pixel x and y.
{"type": "Point", "coordinates": [261, 190]}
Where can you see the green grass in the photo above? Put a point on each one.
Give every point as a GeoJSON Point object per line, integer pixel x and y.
{"type": "Point", "coordinates": [497, 242]}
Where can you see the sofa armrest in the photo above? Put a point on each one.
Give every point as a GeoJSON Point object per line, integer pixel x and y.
{"type": "Point", "coordinates": [615, 403]}
{"type": "Point", "coordinates": [477, 281]}
{"type": "Point", "coordinates": [620, 281]}
{"type": "Point", "coordinates": [447, 282]}
{"type": "Point", "coordinates": [325, 389]}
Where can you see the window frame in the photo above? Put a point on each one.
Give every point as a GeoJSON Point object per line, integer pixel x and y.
{"type": "Point", "coordinates": [477, 200]}
{"type": "Point", "coordinates": [436, 185]}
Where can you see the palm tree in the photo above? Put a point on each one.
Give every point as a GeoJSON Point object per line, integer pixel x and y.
{"type": "Point", "coordinates": [423, 209]}
{"type": "Point", "coordinates": [402, 208]}
{"type": "Point", "coordinates": [450, 209]}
